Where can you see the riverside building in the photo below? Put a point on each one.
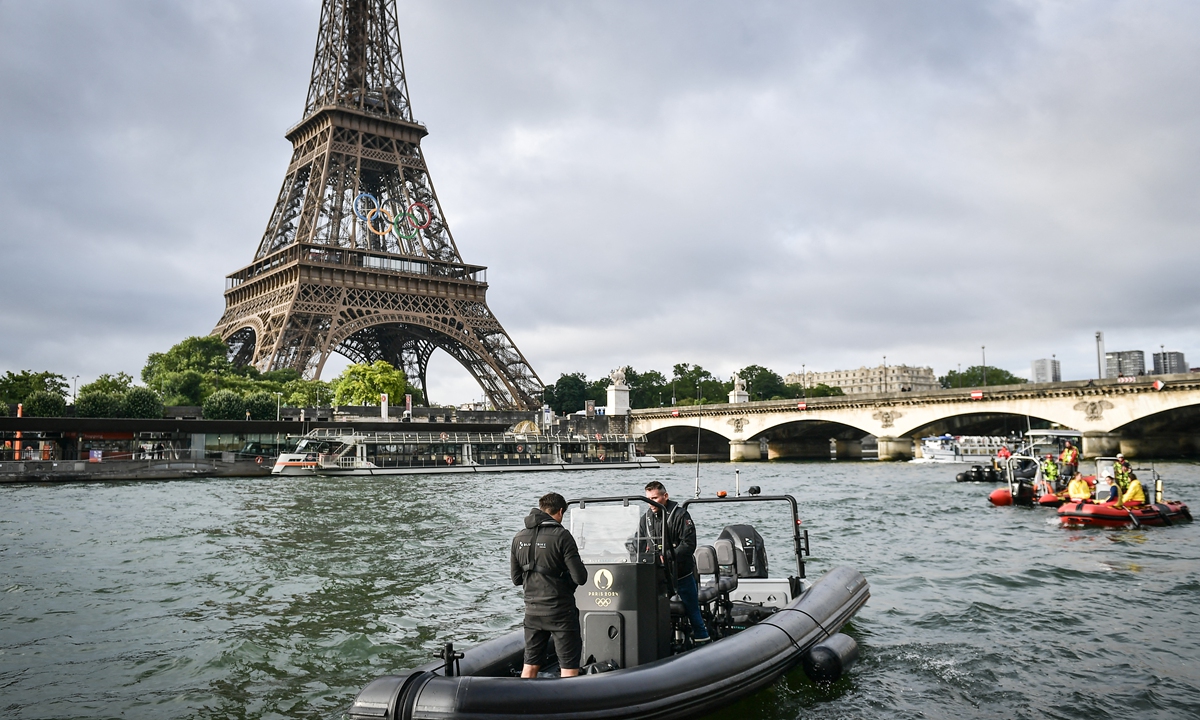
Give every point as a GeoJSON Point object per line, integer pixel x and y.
{"type": "Point", "coordinates": [1169, 363]}
{"type": "Point", "coordinates": [883, 378]}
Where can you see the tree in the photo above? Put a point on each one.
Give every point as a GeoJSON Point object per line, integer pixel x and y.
{"type": "Point", "coordinates": [142, 402]}
{"type": "Point", "coordinates": [43, 403]}
{"type": "Point", "coordinates": [182, 388]}
{"type": "Point", "coordinates": [99, 404]}
{"type": "Point", "coordinates": [106, 383]}
{"type": "Point", "coordinates": [823, 390]}
{"type": "Point", "coordinates": [4, 411]}
{"type": "Point", "coordinates": [974, 376]}
{"type": "Point", "coordinates": [648, 389]}
{"type": "Point", "coordinates": [306, 393]}
{"type": "Point", "coordinates": [764, 384]}
{"type": "Point", "coordinates": [262, 405]}
{"type": "Point", "coordinates": [362, 384]}
{"type": "Point", "coordinates": [568, 394]}
{"type": "Point", "coordinates": [224, 405]}
{"type": "Point", "coordinates": [15, 388]}
{"type": "Point", "coordinates": [688, 378]}
{"type": "Point", "coordinates": [204, 354]}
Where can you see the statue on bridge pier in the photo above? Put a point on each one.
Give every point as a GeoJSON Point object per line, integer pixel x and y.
{"type": "Point", "coordinates": [738, 394]}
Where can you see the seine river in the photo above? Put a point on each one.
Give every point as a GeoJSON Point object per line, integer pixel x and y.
{"type": "Point", "coordinates": [280, 598]}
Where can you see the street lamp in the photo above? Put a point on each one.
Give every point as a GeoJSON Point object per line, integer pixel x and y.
{"type": "Point", "coordinates": [885, 373]}
{"type": "Point", "coordinates": [983, 349]}
{"type": "Point", "coordinates": [278, 403]}
{"type": "Point", "coordinates": [74, 385]}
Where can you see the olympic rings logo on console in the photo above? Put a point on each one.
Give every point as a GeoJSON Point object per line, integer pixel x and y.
{"type": "Point", "coordinates": [394, 220]}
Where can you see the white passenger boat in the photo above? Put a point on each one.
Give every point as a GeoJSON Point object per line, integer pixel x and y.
{"type": "Point", "coordinates": [962, 448]}
{"type": "Point", "coordinates": [338, 451]}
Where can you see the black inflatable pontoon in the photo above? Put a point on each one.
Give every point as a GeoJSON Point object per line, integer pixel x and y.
{"type": "Point", "coordinates": [757, 644]}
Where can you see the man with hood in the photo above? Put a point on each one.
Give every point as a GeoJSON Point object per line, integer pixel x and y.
{"type": "Point", "coordinates": [545, 560]}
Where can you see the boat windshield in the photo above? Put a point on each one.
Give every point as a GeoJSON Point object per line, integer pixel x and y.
{"type": "Point", "coordinates": [611, 533]}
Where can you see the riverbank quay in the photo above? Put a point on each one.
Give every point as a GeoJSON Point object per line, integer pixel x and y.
{"type": "Point", "coordinates": [108, 449]}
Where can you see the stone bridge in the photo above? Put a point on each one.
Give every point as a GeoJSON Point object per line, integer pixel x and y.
{"type": "Point", "coordinates": [1147, 416]}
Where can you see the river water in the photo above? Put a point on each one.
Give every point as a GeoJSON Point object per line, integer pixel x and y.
{"type": "Point", "coordinates": [280, 598]}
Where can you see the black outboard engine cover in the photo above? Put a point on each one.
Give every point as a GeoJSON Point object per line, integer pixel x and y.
{"type": "Point", "coordinates": [749, 549]}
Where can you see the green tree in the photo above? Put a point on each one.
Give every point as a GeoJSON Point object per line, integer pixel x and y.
{"type": "Point", "coordinates": [648, 389]}
{"type": "Point", "coordinates": [4, 411]}
{"type": "Point", "coordinates": [224, 405]}
{"type": "Point", "coordinates": [262, 405]}
{"type": "Point", "coordinates": [16, 387]}
{"type": "Point", "coordinates": [568, 394]}
{"type": "Point", "coordinates": [106, 383]}
{"type": "Point", "coordinates": [764, 384]}
{"type": "Point", "coordinates": [142, 402]}
{"type": "Point", "coordinates": [43, 403]}
{"type": "Point", "coordinates": [183, 388]}
{"type": "Point", "coordinates": [99, 404]}
{"type": "Point", "coordinates": [822, 390]}
{"type": "Point", "coordinates": [979, 376]}
{"type": "Point", "coordinates": [688, 378]}
{"type": "Point", "coordinates": [307, 393]}
{"type": "Point", "coordinates": [204, 354]}
{"type": "Point", "coordinates": [362, 384]}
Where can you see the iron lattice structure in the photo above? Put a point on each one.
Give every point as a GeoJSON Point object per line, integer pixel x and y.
{"type": "Point", "coordinates": [357, 257]}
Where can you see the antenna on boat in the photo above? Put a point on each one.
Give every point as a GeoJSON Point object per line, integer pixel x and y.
{"type": "Point", "coordinates": [737, 482]}
{"type": "Point", "coordinates": [699, 416]}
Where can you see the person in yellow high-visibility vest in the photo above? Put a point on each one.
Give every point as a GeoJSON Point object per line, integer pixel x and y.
{"type": "Point", "coordinates": [1068, 459]}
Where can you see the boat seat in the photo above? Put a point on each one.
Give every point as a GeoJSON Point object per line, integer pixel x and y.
{"type": "Point", "coordinates": [706, 564]}
{"type": "Point", "coordinates": [727, 577]}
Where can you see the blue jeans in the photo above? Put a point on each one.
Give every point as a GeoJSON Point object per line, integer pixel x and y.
{"type": "Point", "coordinates": [689, 596]}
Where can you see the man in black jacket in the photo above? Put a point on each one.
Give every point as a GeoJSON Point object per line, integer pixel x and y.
{"type": "Point", "coordinates": [545, 560]}
{"type": "Point", "coordinates": [679, 549]}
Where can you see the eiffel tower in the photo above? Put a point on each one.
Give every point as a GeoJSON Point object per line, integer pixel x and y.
{"type": "Point", "coordinates": [357, 257]}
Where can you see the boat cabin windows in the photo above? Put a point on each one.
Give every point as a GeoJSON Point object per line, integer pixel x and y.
{"type": "Point", "coordinates": [414, 454]}
{"type": "Point", "coordinates": [511, 453]}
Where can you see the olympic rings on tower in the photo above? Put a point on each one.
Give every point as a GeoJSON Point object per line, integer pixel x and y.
{"type": "Point", "coordinates": [395, 220]}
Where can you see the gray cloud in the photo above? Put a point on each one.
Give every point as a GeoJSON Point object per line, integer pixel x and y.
{"type": "Point", "coordinates": [649, 183]}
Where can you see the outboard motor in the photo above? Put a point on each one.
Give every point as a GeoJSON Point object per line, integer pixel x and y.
{"type": "Point", "coordinates": [749, 550]}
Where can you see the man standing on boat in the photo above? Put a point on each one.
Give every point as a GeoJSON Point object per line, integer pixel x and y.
{"type": "Point", "coordinates": [545, 560]}
{"type": "Point", "coordinates": [1069, 460]}
{"type": "Point", "coordinates": [679, 550]}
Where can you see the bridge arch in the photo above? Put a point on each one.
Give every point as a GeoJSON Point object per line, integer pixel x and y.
{"type": "Point", "coordinates": [683, 437]}
{"type": "Point", "coordinates": [812, 438]}
{"type": "Point", "coordinates": [988, 422]}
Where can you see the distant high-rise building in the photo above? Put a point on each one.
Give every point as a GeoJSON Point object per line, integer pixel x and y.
{"type": "Point", "coordinates": [1169, 363]}
{"type": "Point", "coordinates": [1046, 370]}
{"type": "Point", "coordinates": [1125, 363]}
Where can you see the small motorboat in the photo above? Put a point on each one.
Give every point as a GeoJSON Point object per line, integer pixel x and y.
{"type": "Point", "coordinates": [1025, 484]}
{"type": "Point", "coordinates": [979, 473]}
{"type": "Point", "coordinates": [638, 658]}
{"type": "Point", "coordinates": [1093, 514]}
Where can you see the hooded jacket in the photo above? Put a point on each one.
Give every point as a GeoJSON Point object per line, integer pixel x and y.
{"type": "Point", "coordinates": [545, 560]}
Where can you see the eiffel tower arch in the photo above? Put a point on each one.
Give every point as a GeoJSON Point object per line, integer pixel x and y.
{"type": "Point", "coordinates": [357, 257]}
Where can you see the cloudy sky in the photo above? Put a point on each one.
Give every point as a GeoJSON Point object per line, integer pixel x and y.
{"type": "Point", "coordinates": [787, 184]}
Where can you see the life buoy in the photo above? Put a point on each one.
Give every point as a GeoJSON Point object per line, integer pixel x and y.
{"type": "Point", "coordinates": [449, 460]}
{"type": "Point", "coordinates": [258, 459]}
{"type": "Point", "coordinates": [520, 448]}
{"type": "Point", "coordinates": [444, 436]}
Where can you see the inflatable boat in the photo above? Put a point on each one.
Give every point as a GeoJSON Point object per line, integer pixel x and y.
{"type": "Point", "coordinates": [638, 658]}
{"type": "Point", "coordinates": [1092, 514]}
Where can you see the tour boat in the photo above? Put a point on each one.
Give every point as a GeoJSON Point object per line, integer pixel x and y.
{"type": "Point", "coordinates": [1092, 514]}
{"type": "Point", "coordinates": [335, 451]}
{"type": "Point", "coordinates": [961, 448]}
{"type": "Point", "coordinates": [638, 658]}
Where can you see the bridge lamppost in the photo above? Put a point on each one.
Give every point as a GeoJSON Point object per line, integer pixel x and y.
{"type": "Point", "coordinates": [983, 349]}
{"type": "Point", "coordinates": [885, 382]}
